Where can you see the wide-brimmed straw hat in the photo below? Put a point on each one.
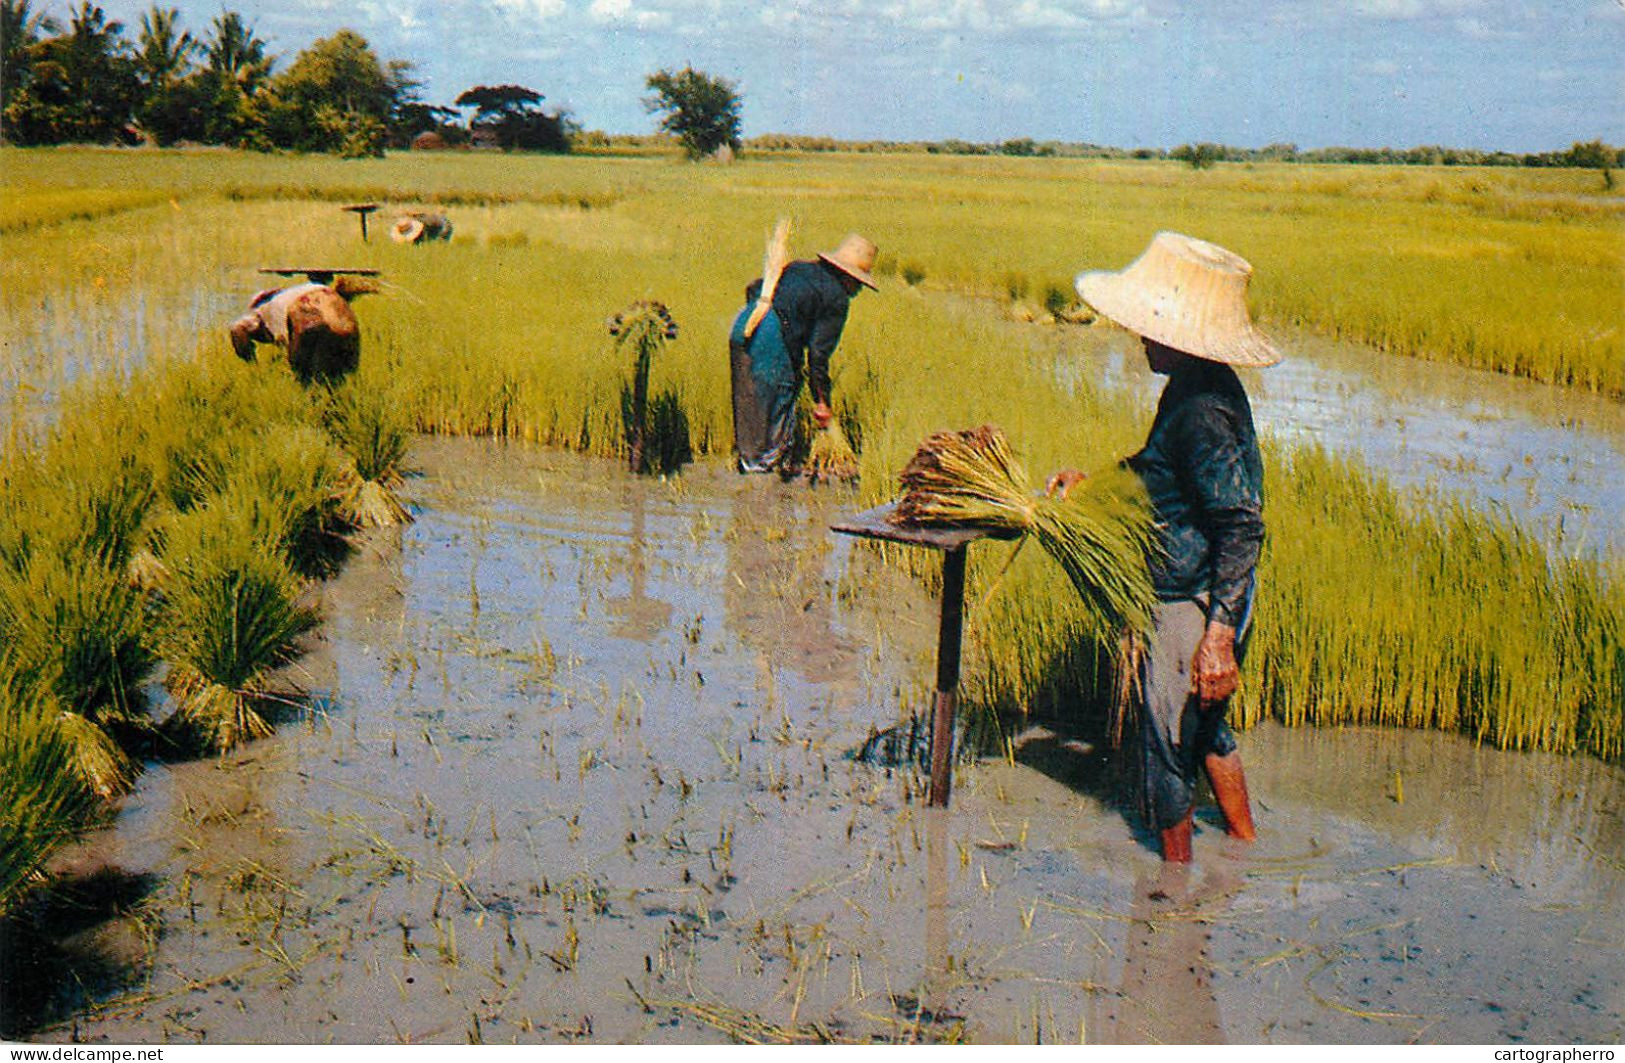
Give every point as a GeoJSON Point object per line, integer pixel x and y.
{"type": "Point", "coordinates": [408, 229]}
{"type": "Point", "coordinates": [1186, 294]}
{"type": "Point", "coordinates": [855, 257]}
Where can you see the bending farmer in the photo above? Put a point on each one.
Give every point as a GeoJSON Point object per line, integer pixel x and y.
{"type": "Point", "coordinates": [809, 311]}
{"type": "Point", "coordinates": [312, 322]}
{"type": "Point", "coordinates": [1187, 300]}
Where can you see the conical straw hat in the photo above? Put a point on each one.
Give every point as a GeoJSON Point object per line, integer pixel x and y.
{"type": "Point", "coordinates": [855, 257]}
{"type": "Point", "coordinates": [1186, 294]}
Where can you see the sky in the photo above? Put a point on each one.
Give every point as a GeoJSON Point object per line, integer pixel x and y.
{"type": "Point", "coordinates": [1515, 75]}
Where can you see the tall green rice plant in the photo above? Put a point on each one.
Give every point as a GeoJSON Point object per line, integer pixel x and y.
{"type": "Point", "coordinates": [228, 616]}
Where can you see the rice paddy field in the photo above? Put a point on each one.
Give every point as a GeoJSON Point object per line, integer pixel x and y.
{"type": "Point", "coordinates": [528, 767]}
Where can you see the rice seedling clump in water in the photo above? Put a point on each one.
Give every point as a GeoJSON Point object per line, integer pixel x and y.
{"type": "Point", "coordinates": [372, 427]}
{"type": "Point", "coordinates": [1100, 534]}
{"type": "Point", "coordinates": [644, 327]}
{"type": "Point", "coordinates": [229, 615]}
{"type": "Point", "coordinates": [46, 804]}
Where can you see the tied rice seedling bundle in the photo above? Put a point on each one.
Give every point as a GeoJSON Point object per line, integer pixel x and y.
{"type": "Point", "coordinates": [831, 456]}
{"type": "Point", "coordinates": [72, 628]}
{"type": "Point", "coordinates": [229, 614]}
{"type": "Point", "coordinates": [45, 801]}
{"type": "Point", "coordinates": [373, 429]}
{"type": "Point", "coordinates": [644, 328]}
{"type": "Point", "coordinates": [1100, 534]}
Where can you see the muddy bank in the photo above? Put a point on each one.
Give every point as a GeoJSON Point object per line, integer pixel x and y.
{"type": "Point", "coordinates": [580, 773]}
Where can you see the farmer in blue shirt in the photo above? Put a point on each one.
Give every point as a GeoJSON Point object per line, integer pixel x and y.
{"type": "Point", "coordinates": [1187, 301]}
{"type": "Point", "coordinates": [809, 312]}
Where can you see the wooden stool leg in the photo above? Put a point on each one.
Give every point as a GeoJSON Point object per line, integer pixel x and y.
{"type": "Point", "coordinates": [948, 640]}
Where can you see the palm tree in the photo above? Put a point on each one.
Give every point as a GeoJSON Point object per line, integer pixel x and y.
{"type": "Point", "coordinates": [21, 29]}
{"type": "Point", "coordinates": [164, 51]}
{"type": "Point", "coordinates": [237, 53]}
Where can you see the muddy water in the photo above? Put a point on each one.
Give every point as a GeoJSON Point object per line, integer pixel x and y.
{"type": "Point", "coordinates": [579, 773]}
{"type": "Point", "coordinates": [1550, 457]}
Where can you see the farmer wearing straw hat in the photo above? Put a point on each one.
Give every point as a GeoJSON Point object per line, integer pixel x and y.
{"type": "Point", "coordinates": [808, 301]}
{"type": "Point", "coordinates": [1187, 301]}
{"type": "Point", "coordinates": [418, 226]}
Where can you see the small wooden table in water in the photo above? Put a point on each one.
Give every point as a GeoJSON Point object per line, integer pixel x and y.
{"type": "Point", "coordinates": [876, 524]}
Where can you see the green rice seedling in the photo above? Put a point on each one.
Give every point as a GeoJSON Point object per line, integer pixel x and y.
{"type": "Point", "coordinates": [643, 328]}
{"type": "Point", "coordinates": [44, 801]}
{"type": "Point", "coordinates": [373, 428]}
{"type": "Point", "coordinates": [73, 629]}
{"type": "Point", "coordinates": [286, 480]}
{"type": "Point", "coordinates": [228, 616]}
{"type": "Point", "coordinates": [1100, 538]}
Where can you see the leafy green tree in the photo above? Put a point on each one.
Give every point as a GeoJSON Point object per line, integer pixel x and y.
{"type": "Point", "coordinates": [1591, 155]}
{"type": "Point", "coordinates": [335, 97]}
{"type": "Point", "coordinates": [170, 96]}
{"type": "Point", "coordinates": [81, 86]}
{"type": "Point", "coordinates": [513, 114]}
{"type": "Point", "coordinates": [701, 111]}
{"type": "Point", "coordinates": [21, 30]}
{"type": "Point", "coordinates": [236, 64]}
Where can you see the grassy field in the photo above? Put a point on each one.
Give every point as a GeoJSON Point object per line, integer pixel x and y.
{"type": "Point", "coordinates": [122, 269]}
{"type": "Point", "coordinates": [1511, 270]}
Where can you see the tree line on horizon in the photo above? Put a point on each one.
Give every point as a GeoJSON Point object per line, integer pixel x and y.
{"type": "Point", "coordinates": [88, 81]}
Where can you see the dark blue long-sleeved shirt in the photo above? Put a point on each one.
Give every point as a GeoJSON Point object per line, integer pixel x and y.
{"type": "Point", "coordinates": [1202, 469]}
{"type": "Point", "coordinates": [812, 306]}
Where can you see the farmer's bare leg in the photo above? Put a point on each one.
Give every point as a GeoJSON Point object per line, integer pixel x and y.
{"type": "Point", "coordinates": [1230, 790]}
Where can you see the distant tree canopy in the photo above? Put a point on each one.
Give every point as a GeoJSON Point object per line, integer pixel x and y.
{"type": "Point", "coordinates": [701, 111]}
{"type": "Point", "coordinates": [513, 114]}
{"type": "Point", "coordinates": [79, 84]}
{"type": "Point", "coordinates": [336, 97]}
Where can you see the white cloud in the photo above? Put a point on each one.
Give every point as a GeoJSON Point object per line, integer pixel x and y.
{"type": "Point", "coordinates": [1383, 68]}
{"type": "Point", "coordinates": [536, 9]}
{"type": "Point", "coordinates": [609, 9]}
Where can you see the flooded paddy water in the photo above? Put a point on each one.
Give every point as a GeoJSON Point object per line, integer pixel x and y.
{"type": "Point", "coordinates": [582, 770]}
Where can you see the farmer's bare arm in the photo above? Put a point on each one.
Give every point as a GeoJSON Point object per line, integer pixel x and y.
{"type": "Point", "coordinates": [1214, 674]}
{"type": "Point", "coordinates": [1064, 481]}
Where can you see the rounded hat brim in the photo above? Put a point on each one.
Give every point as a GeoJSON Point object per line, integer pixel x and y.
{"type": "Point", "coordinates": [861, 276]}
{"type": "Point", "coordinates": [407, 231]}
{"type": "Point", "coordinates": [1126, 303]}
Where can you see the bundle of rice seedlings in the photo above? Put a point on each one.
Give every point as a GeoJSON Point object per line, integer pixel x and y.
{"type": "Point", "coordinates": [286, 479]}
{"type": "Point", "coordinates": [72, 629]}
{"type": "Point", "coordinates": [228, 616]}
{"type": "Point", "coordinates": [373, 428]}
{"type": "Point", "coordinates": [831, 456]}
{"type": "Point", "coordinates": [1100, 534]}
{"type": "Point", "coordinates": [73, 497]}
{"type": "Point", "coordinates": [44, 800]}
{"type": "Point", "coordinates": [644, 327]}
{"type": "Point", "coordinates": [774, 260]}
